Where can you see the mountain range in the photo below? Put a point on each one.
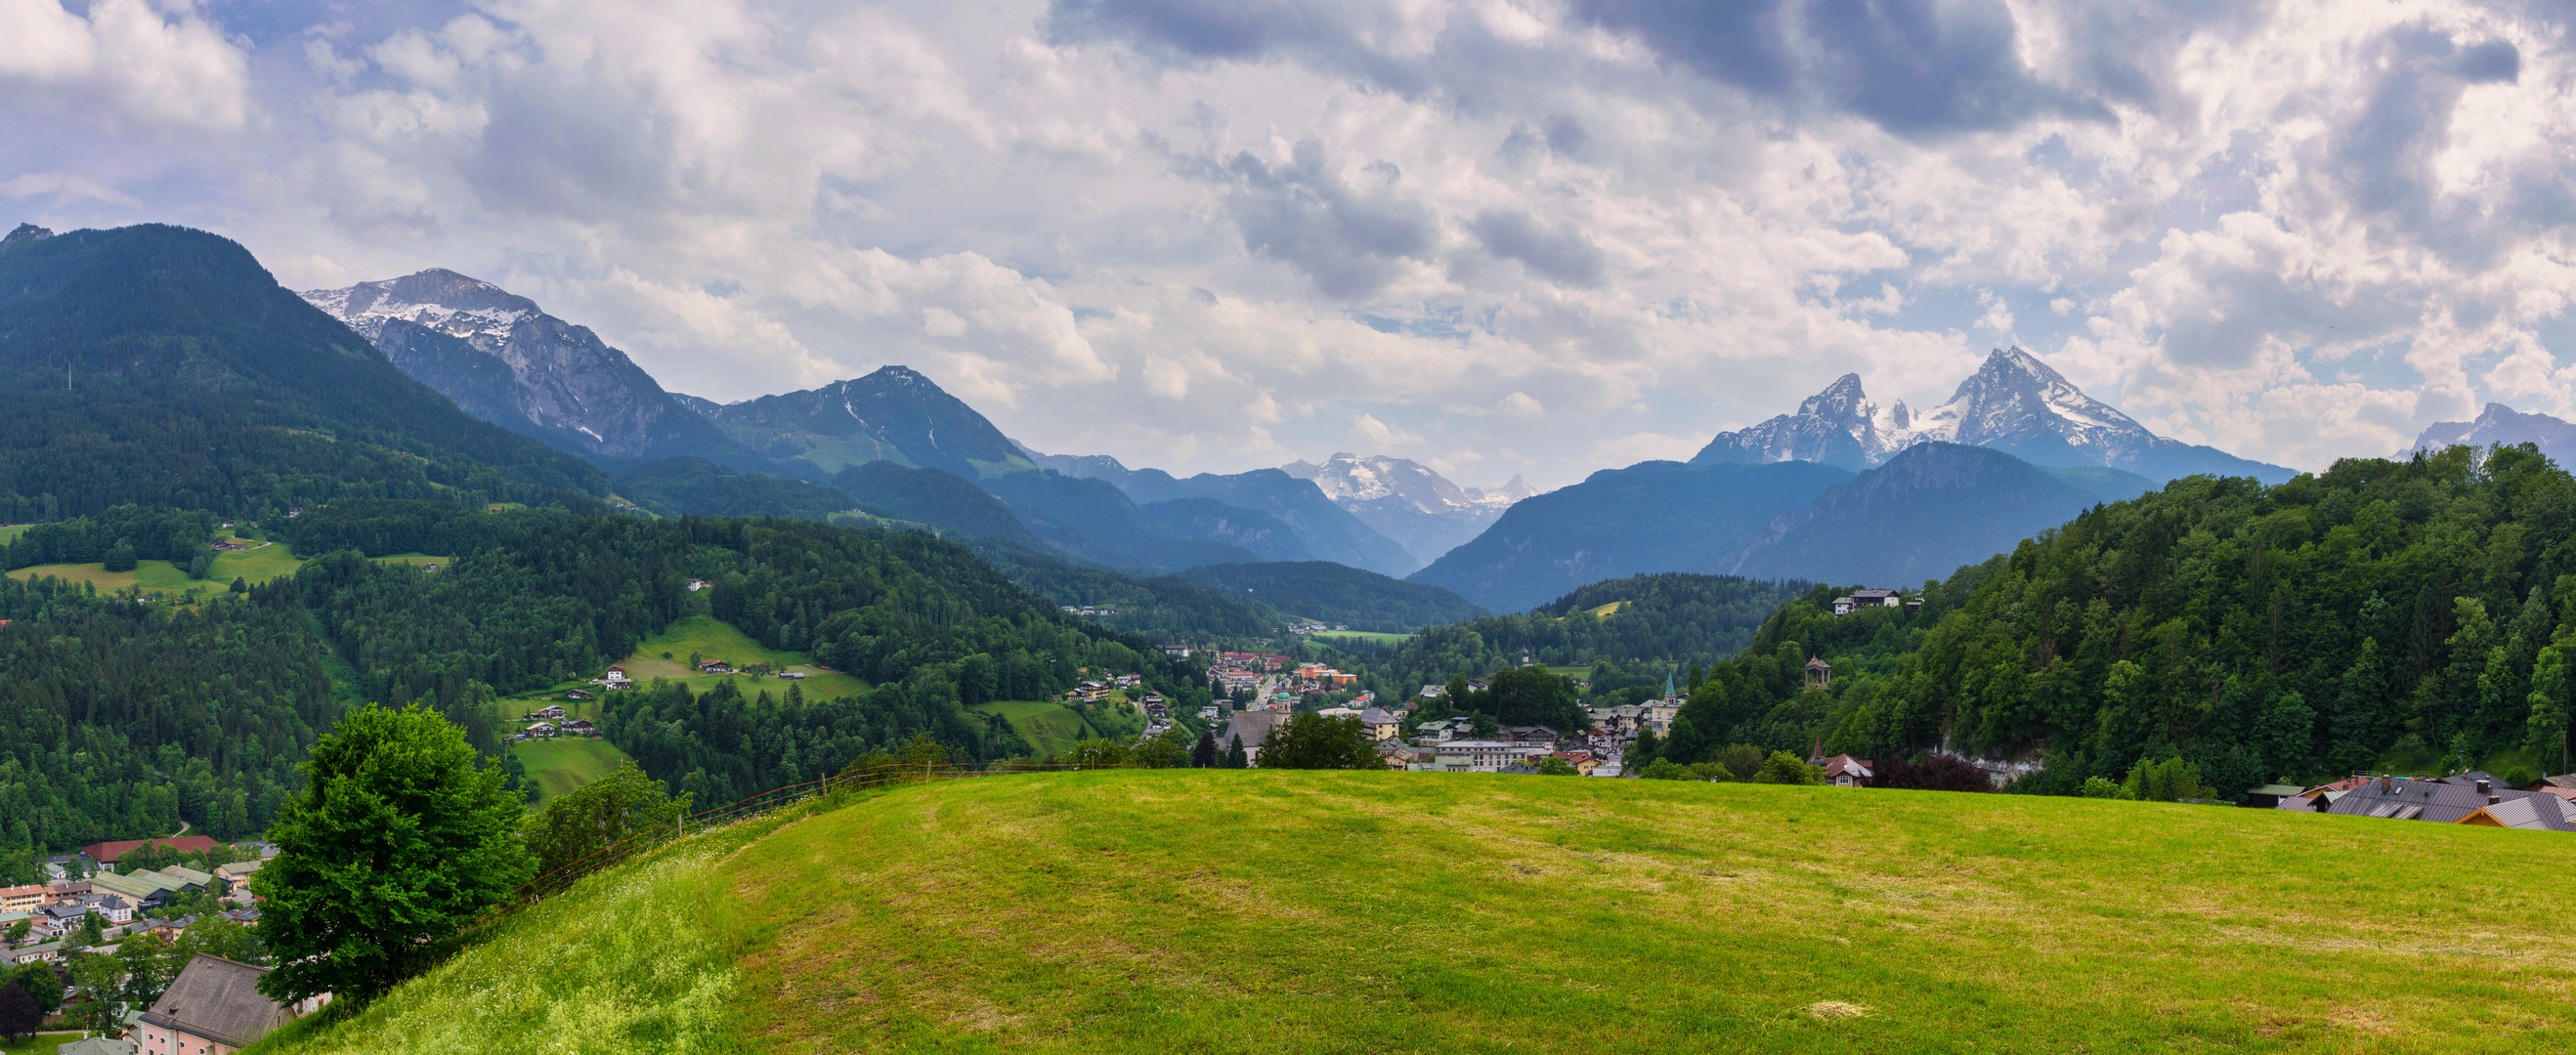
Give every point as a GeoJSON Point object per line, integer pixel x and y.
{"type": "Point", "coordinates": [2014, 403]}
{"type": "Point", "coordinates": [1842, 487]}
{"type": "Point", "coordinates": [1407, 502]}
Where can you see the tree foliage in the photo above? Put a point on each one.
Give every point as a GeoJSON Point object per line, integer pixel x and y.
{"type": "Point", "coordinates": [2382, 610]}
{"type": "Point", "coordinates": [396, 840]}
{"type": "Point", "coordinates": [577, 825]}
{"type": "Point", "coordinates": [1314, 741]}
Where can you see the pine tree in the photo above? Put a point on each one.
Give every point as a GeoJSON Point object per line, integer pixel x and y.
{"type": "Point", "coordinates": [1236, 757]}
{"type": "Point", "coordinates": [1203, 754]}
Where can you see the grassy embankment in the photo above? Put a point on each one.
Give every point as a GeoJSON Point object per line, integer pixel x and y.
{"type": "Point", "coordinates": [1152, 911]}
{"type": "Point", "coordinates": [560, 765]}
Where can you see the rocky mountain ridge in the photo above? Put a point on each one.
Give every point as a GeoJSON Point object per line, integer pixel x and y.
{"type": "Point", "coordinates": [501, 358]}
{"type": "Point", "coordinates": [1408, 502]}
{"type": "Point", "coordinates": [2014, 403]}
{"type": "Point", "coordinates": [2498, 423]}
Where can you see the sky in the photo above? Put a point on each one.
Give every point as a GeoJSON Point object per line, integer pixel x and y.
{"type": "Point", "coordinates": [1496, 237]}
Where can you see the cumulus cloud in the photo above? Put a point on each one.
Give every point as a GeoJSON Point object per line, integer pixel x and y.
{"type": "Point", "coordinates": [122, 66]}
{"type": "Point", "coordinates": [1497, 236]}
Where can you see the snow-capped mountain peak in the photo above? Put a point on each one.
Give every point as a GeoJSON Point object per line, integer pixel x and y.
{"type": "Point", "coordinates": [1407, 501]}
{"type": "Point", "coordinates": [2015, 402]}
{"type": "Point", "coordinates": [437, 299]}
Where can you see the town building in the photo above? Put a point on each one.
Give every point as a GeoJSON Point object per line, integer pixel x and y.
{"type": "Point", "coordinates": [1844, 771]}
{"type": "Point", "coordinates": [100, 855]}
{"type": "Point", "coordinates": [214, 1007]}
{"type": "Point", "coordinates": [1381, 724]}
{"type": "Point", "coordinates": [1861, 600]}
{"type": "Point", "coordinates": [2454, 800]}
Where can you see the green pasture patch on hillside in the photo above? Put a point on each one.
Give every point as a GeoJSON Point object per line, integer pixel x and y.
{"type": "Point", "coordinates": [565, 763]}
{"type": "Point", "coordinates": [161, 576]}
{"type": "Point", "coordinates": [1373, 637]}
{"type": "Point", "coordinates": [1053, 728]}
{"type": "Point", "coordinates": [834, 455]}
{"type": "Point", "coordinates": [1265, 911]}
{"type": "Point", "coordinates": [8, 534]}
{"type": "Point", "coordinates": [414, 559]}
{"type": "Point", "coordinates": [1607, 610]}
{"type": "Point", "coordinates": [708, 637]}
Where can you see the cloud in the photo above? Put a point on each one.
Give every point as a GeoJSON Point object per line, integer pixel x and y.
{"type": "Point", "coordinates": [1514, 235]}
{"type": "Point", "coordinates": [1352, 237]}
{"type": "Point", "coordinates": [123, 67]}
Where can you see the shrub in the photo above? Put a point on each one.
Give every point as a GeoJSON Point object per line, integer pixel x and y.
{"type": "Point", "coordinates": [1667, 769]}
{"type": "Point", "coordinates": [1552, 766]}
{"type": "Point", "coordinates": [1785, 768]}
{"type": "Point", "coordinates": [2165, 781]}
{"type": "Point", "coordinates": [2100, 788]}
{"type": "Point", "coordinates": [1312, 741]}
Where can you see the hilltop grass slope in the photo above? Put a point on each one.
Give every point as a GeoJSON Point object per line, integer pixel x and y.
{"type": "Point", "coordinates": [1153, 911]}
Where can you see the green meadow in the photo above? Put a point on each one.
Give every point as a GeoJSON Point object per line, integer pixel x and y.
{"type": "Point", "coordinates": [1054, 728]}
{"type": "Point", "coordinates": [1366, 636]}
{"type": "Point", "coordinates": [708, 637]}
{"type": "Point", "coordinates": [160, 576]}
{"type": "Point", "coordinates": [1263, 911]}
{"type": "Point", "coordinates": [565, 763]}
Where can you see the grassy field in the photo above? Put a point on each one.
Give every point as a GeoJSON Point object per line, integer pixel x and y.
{"type": "Point", "coordinates": [9, 534]}
{"type": "Point", "coordinates": [560, 765]}
{"type": "Point", "coordinates": [161, 576]}
{"type": "Point", "coordinates": [414, 559]}
{"type": "Point", "coordinates": [708, 637]}
{"type": "Point", "coordinates": [1054, 728]}
{"type": "Point", "coordinates": [1367, 636]}
{"type": "Point", "coordinates": [42, 1043]}
{"type": "Point", "coordinates": [1218, 911]}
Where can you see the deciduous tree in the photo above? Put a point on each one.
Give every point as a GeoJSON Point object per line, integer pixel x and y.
{"type": "Point", "coordinates": [397, 839]}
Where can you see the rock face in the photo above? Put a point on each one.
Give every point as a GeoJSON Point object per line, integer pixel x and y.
{"type": "Point", "coordinates": [502, 359]}
{"type": "Point", "coordinates": [1407, 502]}
{"type": "Point", "coordinates": [2499, 423]}
{"type": "Point", "coordinates": [2014, 403]}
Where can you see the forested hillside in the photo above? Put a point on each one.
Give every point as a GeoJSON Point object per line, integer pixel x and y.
{"type": "Point", "coordinates": [535, 597]}
{"type": "Point", "coordinates": [124, 720]}
{"type": "Point", "coordinates": [2384, 613]}
{"type": "Point", "coordinates": [1674, 618]}
{"type": "Point", "coordinates": [155, 365]}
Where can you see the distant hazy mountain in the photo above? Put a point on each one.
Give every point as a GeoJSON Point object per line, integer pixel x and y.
{"type": "Point", "coordinates": [502, 359]}
{"type": "Point", "coordinates": [1649, 517]}
{"type": "Point", "coordinates": [1339, 594]}
{"type": "Point", "coordinates": [2499, 423]}
{"type": "Point", "coordinates": [1094, 520]}
{"type": "Point", "coordinates": [2014, 403]}
{"type": "Point", "coordinates": [935, 497]}
{"type": "Point", "coordinates": [1210, 520]}
{"type": "Point", "coordinates": [894, 414]}
{"type": "Point", "coordinates": [1930, 509]}
{"type": "Point", "coordinates": [1324, 529]}
{"type": "Point", "coordinates": [1407, 502]}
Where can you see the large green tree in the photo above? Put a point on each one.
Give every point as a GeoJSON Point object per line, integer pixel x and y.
{"type": "Point", "coordinates": [1313, 741]}
{"type": "Point", "coordinates": [579, 824]}
{"type": "Point", "coordinates": [397, 839]}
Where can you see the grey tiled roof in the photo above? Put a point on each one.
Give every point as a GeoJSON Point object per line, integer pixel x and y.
{"type": "Point", "coordinates": [2443, 801]}
{"type": "Point", "coordinates": [218, 999]}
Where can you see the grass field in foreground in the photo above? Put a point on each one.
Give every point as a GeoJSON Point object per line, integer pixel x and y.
{"type": "Point", "coordinates": [1222, 911]}
{"type": "Point", "coordinates": [560, 765]}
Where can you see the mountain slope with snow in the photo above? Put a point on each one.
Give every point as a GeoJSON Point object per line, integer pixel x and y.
{"type": "Point", "coordinates": [2498, 423]}
{"type": "Point", "coordinates": [1407, 502]}
{"type": "Point", "coordinates": [503, 359]}
{"type": "Point", "coordinates": [2014, 403]}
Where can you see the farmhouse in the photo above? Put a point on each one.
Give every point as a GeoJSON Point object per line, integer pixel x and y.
{"type": "Point", "coordinates": [542, 730]}
{"type": "Point", "coordinates": [550, 711]}
{"type": "Point", "coordinates": [1844, 771]}
{"type": "Point", "coordinates": [1866, 599]}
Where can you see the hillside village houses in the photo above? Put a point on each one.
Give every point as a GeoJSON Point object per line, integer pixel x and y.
{"type": "Point", "coordinates": [1859, 600]}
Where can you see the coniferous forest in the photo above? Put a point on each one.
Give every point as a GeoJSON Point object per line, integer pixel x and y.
{"type": "Point", "coordinates": [2384, 613]}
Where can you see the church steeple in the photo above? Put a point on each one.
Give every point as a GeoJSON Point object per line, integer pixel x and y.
{"type": "Point", "coordinates": [1668, 685]}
